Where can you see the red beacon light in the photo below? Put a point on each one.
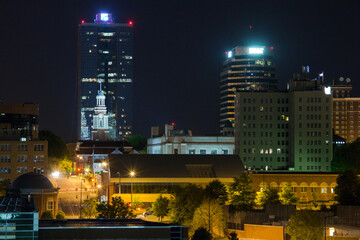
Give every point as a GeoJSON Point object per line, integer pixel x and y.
{"type": "Point", "coordinates": [272, 48]}
{"type": "Point", "coordinates": [173, 124]}
{"type": "Point", "coordinates": [82, 21]}
{"type": "Point", "coordinates": [131, 23]}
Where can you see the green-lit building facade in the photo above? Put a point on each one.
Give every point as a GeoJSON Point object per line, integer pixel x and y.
{"type": "Point", "coordinates": [288, 130]}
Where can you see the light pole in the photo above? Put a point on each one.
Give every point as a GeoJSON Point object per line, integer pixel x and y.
{"type": "Point", "coordinates": [119, 184]}
{"type": "Point", "coordinates": [81, 194]}
{"type": "Point", "coordinates": [132, 175]}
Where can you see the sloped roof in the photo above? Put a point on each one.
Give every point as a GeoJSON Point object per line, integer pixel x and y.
{"type": "Point", "coordinates": [176, 165]}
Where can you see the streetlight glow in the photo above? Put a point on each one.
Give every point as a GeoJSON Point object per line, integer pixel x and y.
{"type": "Point", "coordinates": [99, 186]}
{"type": "Point", "coordinates": [132, 173]}
{"type": "Point", "coordinates": [55, 174]}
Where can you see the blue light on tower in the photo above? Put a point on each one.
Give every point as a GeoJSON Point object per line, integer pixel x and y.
{"type": "Point", "coordinates": [104, 17]}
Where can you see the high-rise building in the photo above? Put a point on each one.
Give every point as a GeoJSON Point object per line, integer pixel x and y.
{"type": "Point", "coordinates": [285, 130]}
{"type": "Point", "coordinates": [245, 69]}
{"type": "Point", "coordinates": [346, 117]}
{"type": "Point", "coordinates": [105, 54]}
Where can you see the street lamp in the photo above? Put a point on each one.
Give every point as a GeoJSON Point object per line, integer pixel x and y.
{"type": "Point", "coordinates": [119, 184]}
{"type": "Point", "coordinates": [132, 175]}
{"type": "Point", "coordinates": [81, 181]}
{"type": "Point", "coordinates": [55, 174]}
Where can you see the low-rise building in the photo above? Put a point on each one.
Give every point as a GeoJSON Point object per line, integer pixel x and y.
{"type": "Point", "coordinates": [20, 149]}
{"type": "Point", "coordinates": [191, 145]}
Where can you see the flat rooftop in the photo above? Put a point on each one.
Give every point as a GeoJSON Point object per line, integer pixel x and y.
{"type": "Point", "coordinates": [85, 223]}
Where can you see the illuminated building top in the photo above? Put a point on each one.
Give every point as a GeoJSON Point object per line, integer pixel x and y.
{"type": "Point", "coordinates": [104, 18]}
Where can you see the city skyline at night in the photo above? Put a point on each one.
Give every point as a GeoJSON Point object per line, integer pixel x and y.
{"type": "Point", "coordinates": [179, 48]}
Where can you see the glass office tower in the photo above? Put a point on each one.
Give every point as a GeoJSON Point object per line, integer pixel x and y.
{"type": "Point", "coordinates": [245, 69]}
{"type": "Point", "coordinates": [105, 54]}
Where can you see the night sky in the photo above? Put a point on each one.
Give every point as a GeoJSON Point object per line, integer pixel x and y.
{"type": "Point", "coordinates": [179, 49]}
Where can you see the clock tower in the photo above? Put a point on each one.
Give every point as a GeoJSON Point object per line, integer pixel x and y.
{"type": "Point", "coordinates": [100, 126]}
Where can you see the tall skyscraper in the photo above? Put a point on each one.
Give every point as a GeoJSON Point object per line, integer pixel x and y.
{"type": "Point", "coordinates": [245, 68]}
{"type": "Point", "coordinates": [105, 54]}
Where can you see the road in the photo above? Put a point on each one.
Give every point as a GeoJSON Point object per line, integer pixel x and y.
{"type": "Point", "coordinates": [70, 194]}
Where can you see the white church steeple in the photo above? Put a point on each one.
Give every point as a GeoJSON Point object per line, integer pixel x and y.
{"type": "Point", "coordinates": [100, 119]}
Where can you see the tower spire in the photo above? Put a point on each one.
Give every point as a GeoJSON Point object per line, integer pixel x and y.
{"type": "Point", "coordinates": [100, 85]}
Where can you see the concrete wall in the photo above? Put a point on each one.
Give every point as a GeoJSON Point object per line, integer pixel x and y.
{"type": "Point", "coordinates": [262, 232]}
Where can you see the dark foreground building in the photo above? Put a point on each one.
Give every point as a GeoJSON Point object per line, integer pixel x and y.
{"type": "Point", "coordinates": [105, 54]}
{"type": "Point", "coordinates": [114, 229]}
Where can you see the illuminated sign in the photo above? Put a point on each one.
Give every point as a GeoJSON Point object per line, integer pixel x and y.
{"type": "Point", "coordinates": [256, 50]}
{"type": "Point", "coordinates": [327, 90]}
{"type": "Point", "coordinates": [7, 216]}
{"type": "Point", "coordinates": [229, 54]}
{"type": "Point", "coordinates": [104, 17]}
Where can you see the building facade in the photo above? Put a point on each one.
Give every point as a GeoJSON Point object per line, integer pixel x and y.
{"type": "Point", "coordinates": [245, 68]}
{"type": "Point", "coordinates": [190, 145]}
{"type": "Point", "coordinates": [289, 130]}
{"type": "Point", "coordinates": [105, 54]}
{"type": "Point", "coordinates": [20, 149]}
{"type": "Point", "coordinates": [346, 111]}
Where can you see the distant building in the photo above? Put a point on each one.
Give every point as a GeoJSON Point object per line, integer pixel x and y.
{"type": "Point", "coordinates": [174, 141]}
{"type": "Point", "coordinates": [245, 68]}
{"type": "Point", "coordinates": [160, 173]}
{"type": "Point", "coordinates": [346, 110]}
{"type": "Point", "coordinates": [93, 154]}
{"type": "Point", "coordinates": [20, 149]}
{"type": "Point", "coordinates": [288, 130]}
{"type": "Point", "coordinates": [105, 54]}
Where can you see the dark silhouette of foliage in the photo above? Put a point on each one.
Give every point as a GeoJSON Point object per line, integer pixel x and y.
{"type": "Point", "coordinates": [187, 198]}
{"type": "Point", "coordinates": [56, 146]}
{"type": "Point", "coordinates": [201, 234]}
{"type": "Point", "coordinates": [348, 188]}
{"type": "Point", "coordinates": [161, 207]}
{"type": "Point", "coordinates": [242, 194]}
{"type": "Point", "coordinates": [217, 190]}
{"type": "Point", "coordinates": [116, 209]}
{"type": "Point", "coordinates": [138, 142]}
{"type": "Point", "coordinates": [346, 157]}
{"type": "Point", "coordinates": [47, 215]}
{"type": "Point", "coordinates": [305, 225]}
{"type": "Point", "coordinates": [60, 215]}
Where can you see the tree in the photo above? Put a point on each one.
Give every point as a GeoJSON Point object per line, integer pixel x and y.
{"type": "Point", "coordinates": [186, 199]}
{"type": "Point", "coordinates": [47, 215]}
{"type": "Point", "coordinates": [56, 146]}
{"type": "Point", "coordinates": [210, 215]}
{"type": "Point", "coordinates": [304, 225]}
{"type": "Point", "coordinates": [62, 164]}
{"type": "Point", "coordinates": [201, 234]}
{"type": "Point", "coordinates": [287, 197]}
{"type": "Point", "coordinates": [217, 190]}
{"type": "Point", "coordinates": [138, 142]}
{"type": "Point", "coordinates": [60, 215]}
{"type": "Point", "coordinates": [233, 236]}
{"type": "Point", "coordinates": [346, 157]}
{"type": "Point", "coordinates": [347, 190]}
{"type": "Point", "coordinates": [161, 207]}
{"type": "Point", "coordinates": [242, 194]}
{"type": "Point", "coordinates": [116, 209]}
{"type": "Point", "coordinates": [89, 208]}
{"type": "Point", "coordinates": [268, 196]}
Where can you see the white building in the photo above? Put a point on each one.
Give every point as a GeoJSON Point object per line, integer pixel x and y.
{"type": "Point", "coordinates": [190, 145]}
